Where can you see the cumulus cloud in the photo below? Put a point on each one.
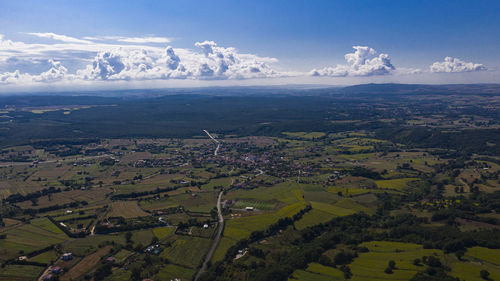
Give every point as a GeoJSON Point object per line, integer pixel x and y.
{"type": "Point", "coordinates": [450, 65]}
{"type": "Point", "coordinates": [227, 63]}
{"type": "Point", "coordinates": [91, 59]}
{"type": "Point", "coordinates": [105, 65]}
{"type": "Point", "coordinates": [14, 77]}
{"type": "Point", "coordinates": [172, 59]}
{"type": "Point", "coordinates": [56, 72]}
{"type": "Point", "coordinates": [362, 62]}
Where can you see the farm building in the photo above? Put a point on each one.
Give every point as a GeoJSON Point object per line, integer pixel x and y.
{"type": "Point", "coordinates": [249, 209]}
{"type": "Point", "coordinates": [67, 256]}
{"type": "Point", "coordinates": [56, 269]}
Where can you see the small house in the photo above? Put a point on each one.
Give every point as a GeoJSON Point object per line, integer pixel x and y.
{"type": "Point", "coordinates": [48, 277]}
{"type": "Point", "coordinates": [56, 269]}
{"type": "Point", "coordinates": [67, 256]}
{"type": "Point", "coordinates": [111, 259]}
{"type": "Point", "coordinates": [250, 209]}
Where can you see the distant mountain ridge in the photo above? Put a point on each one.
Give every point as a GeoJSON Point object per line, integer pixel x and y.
{"type": "Point", "coordinates": [361, 89]}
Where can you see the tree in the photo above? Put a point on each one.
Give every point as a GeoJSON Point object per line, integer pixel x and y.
{"type": "Point", "coordinates": [136, 274]}
{"type": "Point", "coordinates": [128, 236]}
{"type": "Point", "coordinates": [347, 271]}
{"type": "Point", "coordinates": [102, 272]}
{"type": "Point", "coordinates": [485, 274]}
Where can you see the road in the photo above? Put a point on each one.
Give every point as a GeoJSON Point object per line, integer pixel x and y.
{"type": "Point", "coordinates": [211, 252]}
{"type": "Point", "coordinates": [215, 140]}
{"type": "Point", "coordinates": [206, 132]}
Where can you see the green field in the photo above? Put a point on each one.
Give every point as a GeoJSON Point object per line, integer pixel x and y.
{"type": "Point", "coordinates": [238, 228]}
{"type": "Point", "coordinates": [186, 250]}
{"type": "Point", "coordinates": [20, 272]}
{"type": "Point", "coordinates": [285, 192]}
{"type": "Point", "coordinates": [260, 205]}
{"type": "Point", "coordinates": [348, 203]}
{"type": "Point", "coordinates": [304, 135]}
{"type": "Point", "coordinates": [170, 272]}
{"type": "Point", "coordinates": [225, 182]}
{"type": "Point", "coordinates": [332, 209]}
{"type": "Point", "coordinates": [90, 244]}
{"type": "Point", "coordinates": [224, 244]}
{"type": "Point", "coordinates": [370, 266]}
{"type": "Point", "coordinates": [46, 257]}
{"type": "Point", "coordinates": [313, 217]}
{"type": "Point", "coordinates": [46, 224]}
{"type": "Point", "coordinates": [317, 272]}
{"type": "Point", "coordinates": [475, 260]}
{"type": "Point", "coordinates": [349, 191]}
{"type": "Point", "coordinates": [325, 270]}
{"type": "Point", "coordinates": [122, 255]}
{"type": "Point", "coordinates": [398, 184]}
{"type": "Point", "coordinates": [162, 232]}
{"type": "Point", "coordinates": [30, 237]}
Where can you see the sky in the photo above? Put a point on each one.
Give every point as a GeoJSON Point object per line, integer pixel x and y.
{"type": "Point", "coordinates": [61, 45]}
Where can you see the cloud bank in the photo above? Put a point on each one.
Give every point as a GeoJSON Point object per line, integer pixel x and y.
{"type": "Point", "coordinates": [54, 59]}
{"type": "Point", "coordinates": [451, 65]}
{"type": "Point", "coordinates": [103, 61]}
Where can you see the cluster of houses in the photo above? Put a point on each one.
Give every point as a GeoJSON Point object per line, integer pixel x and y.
{"type": "Point", "coordinates": [153, 249]}
{"type": "Point", "coordinates": [54, 271]}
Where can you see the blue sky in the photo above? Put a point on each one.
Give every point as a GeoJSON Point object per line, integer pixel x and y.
{"type": "Point", "coordinates": [273, 40]}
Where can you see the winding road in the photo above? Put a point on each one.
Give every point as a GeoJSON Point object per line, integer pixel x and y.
{"type": "Point", "coordinates": [211, 252]}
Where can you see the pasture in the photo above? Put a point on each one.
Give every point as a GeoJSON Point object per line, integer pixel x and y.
{"type": "Point", "coordinates": [20, 272]}
{"type": "Point", "coordinates": [171, 272]}
{"type": "Point", "coordinates": [398, 184]}
{"type": "Point", "coordinates": [85, 265]}
{"type": "Point", "coordinates": [185, 250]}
{"type": "Point", "coordinates": [126, 209]}
{"type": "Point", "coordinates": [370, 266]}
{"type": "Point", "coordinates": [163, 232]}
{"type": "Point", "coordinates": [30, 237]}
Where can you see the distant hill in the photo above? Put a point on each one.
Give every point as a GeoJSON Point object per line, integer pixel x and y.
{"type": "Point", "coordinates": [422, 89]}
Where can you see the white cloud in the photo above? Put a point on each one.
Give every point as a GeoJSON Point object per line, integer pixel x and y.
{"type": "Point", "coordinates": [137, 40]}
{"type": "Point", "coordinates": [57, 72]}
{"type": "Point", "coordinates": [450, 65]}
{"type": "Point", "coordinates": [14, 77]}
{"type": "Point", "coordinates": [227, 63]}
{"type": "Point", "coordinates": [172, 59]}
{"type": "Point", "coordinates": [59, 37]}
{"type": "Point", "coordinates": [144, 40]}
{"type": "Point", "coordinates": [363, 62]}
{"type": "Point", "coordinates": [407, 71]}
{"type": "Point", "coordinates": [94, 59]}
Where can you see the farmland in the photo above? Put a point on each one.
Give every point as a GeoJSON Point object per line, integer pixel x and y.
{"type": "Point", "coordinates": [317, 199]}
